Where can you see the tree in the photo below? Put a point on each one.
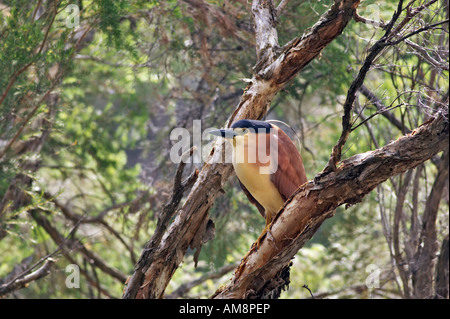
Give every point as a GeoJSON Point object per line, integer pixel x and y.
{"type": "Point", "coordinates": [90, 92]}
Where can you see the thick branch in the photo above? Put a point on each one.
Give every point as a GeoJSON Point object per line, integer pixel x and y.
{"type": "Point", "coordinates": [164, 217]}
{"type": "Point", "coordinates": [316, 201]}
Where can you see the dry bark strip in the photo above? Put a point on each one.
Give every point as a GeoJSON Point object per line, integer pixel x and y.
{"type": "Point", "coordinates": [262, 272]}
{"type": "Point", "coordinates": [276, 67]}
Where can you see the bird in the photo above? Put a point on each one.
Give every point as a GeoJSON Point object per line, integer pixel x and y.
{"type": "Point", "coordinates": [267, 164]}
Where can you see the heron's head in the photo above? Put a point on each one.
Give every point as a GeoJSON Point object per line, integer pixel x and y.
{"type": "Point", "coordinates": [242, 129]}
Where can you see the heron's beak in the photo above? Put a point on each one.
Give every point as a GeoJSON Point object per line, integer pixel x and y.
{"type": "Point", "coordinates": [226, 133]}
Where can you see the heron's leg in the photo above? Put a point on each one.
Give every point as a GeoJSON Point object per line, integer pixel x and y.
{"type": "Point", "coordinates": [269, 217]}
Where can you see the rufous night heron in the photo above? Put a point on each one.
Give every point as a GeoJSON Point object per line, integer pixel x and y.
{"type": "Point", "coordinates": [267, 163]}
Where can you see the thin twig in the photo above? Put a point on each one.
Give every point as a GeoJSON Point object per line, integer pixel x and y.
{"type": "Point", "coordinates": [19, 283]}
{"type": "Point", "coordinates": [374, 51]}
{"type": "Point", "coordinates": [20, 278]}
{"type": "Point", "coordinates": [428, 27]}
{"type": "Point", "coordinates": [186, 287]}
{"type": "Point", "coordinates": [16, 74]}
{"type": "Point", "coordinates": [307, 288]}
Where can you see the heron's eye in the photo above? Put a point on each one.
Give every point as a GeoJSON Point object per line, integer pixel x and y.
{"type": "Point", "coordinates": [241, 131]}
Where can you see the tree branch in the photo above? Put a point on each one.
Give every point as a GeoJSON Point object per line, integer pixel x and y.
{"type": "Point", "coordinates": [21, 282]}
{"type": "Point", "coordinates": [186, 287]}
{"type": "Point", "coordinates": [382, 109]}
{"type": "Point", "coordinates": [73, 243]}
{"type": "Point", "coordinates": [398, 216]}
{"type": "Point", "coordinates": [164, 217]}
{"type": "Point", "coordinates": [423, 269]}
{"type": "Point", "coordinates": [280, 8]}
{"type": "Point", "coordinates": [315, 201]}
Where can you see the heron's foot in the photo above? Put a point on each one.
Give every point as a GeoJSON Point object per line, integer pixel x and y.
{"type": "Point", "coordinates": [266, 232]}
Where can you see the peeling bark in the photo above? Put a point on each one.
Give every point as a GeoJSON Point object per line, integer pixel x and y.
{"type": "Point", "coordinates": [315, 201]}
